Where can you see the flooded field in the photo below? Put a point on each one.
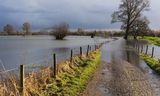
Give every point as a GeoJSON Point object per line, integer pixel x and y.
{"type": "Point", "coordinates": [16, 50]}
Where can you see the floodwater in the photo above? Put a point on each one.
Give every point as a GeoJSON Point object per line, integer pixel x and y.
{"type": "Point", "coordinates": [16, 50]}
{"type": "Point", "coordinates": [124, 50]}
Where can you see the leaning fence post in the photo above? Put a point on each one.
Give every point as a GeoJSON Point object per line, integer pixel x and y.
{"type": "Point", "coordinates": [54, 65]}
{"type": "Point", "coordinates": [81, 51]}
{"type": "Point", "coordinates": [22, 80]}
{"type": "Point", "coordinates": [87, 50]}
{"type": "Point", "coordinates": [146, 50]}
{"type": "Point", "coordinates": [71, 56]}
{"type": "Point", "coordinates": [152, 52]}
{"type": "Point", "coordinates": [95, 47]}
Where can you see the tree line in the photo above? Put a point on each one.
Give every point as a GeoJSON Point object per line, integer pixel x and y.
{"type": "Point", "coordinates": [10, 30]}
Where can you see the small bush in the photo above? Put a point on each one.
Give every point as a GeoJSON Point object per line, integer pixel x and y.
{"type": "Point", "coordinates": [60, 31]}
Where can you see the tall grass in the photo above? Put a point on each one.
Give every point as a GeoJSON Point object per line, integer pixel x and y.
{"type": "Point", "coordinates": [72, 78]}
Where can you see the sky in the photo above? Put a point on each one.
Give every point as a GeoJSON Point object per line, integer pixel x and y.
{"type": "Point", "coordinates": [86, 14]}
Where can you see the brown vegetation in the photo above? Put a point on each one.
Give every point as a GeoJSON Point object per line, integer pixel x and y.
{"type": "Point", "coordinates": [60, 31]}
{"type": "Point", "coordinates": [37, 83]}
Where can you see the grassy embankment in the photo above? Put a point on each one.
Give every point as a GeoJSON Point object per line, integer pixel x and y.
{"type": "Point", "coordinates": [152, 40]}
{"type": "Point", "coordinates": [151, 62]}
{"type": "Point", "coordinates": [74, 81]}
{"type": "Point", "coordinates": [71, 80]}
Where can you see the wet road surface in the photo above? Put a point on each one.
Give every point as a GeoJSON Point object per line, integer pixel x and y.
{"type": "Point", "coordinates": [122, 73]}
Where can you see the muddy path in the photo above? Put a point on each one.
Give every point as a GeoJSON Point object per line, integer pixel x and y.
{"type": "Point", "coordinates": [122, 79]}
{"type": "Point", "coordinates": [122, 73]}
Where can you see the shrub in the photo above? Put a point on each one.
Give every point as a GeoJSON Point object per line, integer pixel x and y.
{"type": "Point", "coordinates": [60, 31]}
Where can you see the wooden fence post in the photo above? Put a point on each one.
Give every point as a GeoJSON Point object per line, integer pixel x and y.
{"type": "Point", "coordinates": [54, 66]}
{"type": "Point", "coordinates": [71, 58]}
{"type": "Point", "coordinates": [152, 52]}
{"type": "Point", "coordinates": [142, 49]}
{"type": "Point", "coordinates": [138, 48]}
{"type": "Point", "coordinates": [22, 80]}
{"type": "Point", "coordinates": [146, 50]}
{"type": "Point", "coordinates": [95, 47]}
{"type": "Point", "coordinates": [81, 51]}
{"type": "Point", "coordinates": [87, 50]}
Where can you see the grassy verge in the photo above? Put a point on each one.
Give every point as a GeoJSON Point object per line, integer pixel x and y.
{"type": "Point", "coordinates": [151, 62]}
{"type": "Point", "coordinates": [72, 78]}
{"type": "Point", "coordinates": [74, 81]}
{"type": "Point", "coordinates": [152, 40]}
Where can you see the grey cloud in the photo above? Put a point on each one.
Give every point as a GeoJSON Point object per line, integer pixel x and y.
{"type": "Point", "coordinates": [78, 13]}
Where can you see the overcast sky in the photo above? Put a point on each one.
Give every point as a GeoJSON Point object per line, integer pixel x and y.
{"type": "Point", "coordinates": [90, 14]}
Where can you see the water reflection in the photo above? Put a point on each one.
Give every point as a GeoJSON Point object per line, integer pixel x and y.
{"type": "Point", "coordinates": [114, 52]}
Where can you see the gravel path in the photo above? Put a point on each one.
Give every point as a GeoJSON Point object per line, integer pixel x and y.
{"type": "Point", "coordinates": [118, 79]}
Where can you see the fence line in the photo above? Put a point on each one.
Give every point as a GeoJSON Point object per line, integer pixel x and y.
{"type": "Point", "coordinates": [53, 60]}
{"type": "Point", "coordinates": [146, 50]}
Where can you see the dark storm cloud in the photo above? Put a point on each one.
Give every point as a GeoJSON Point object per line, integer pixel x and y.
{"type": "Point", "coordinates": [78, 13]}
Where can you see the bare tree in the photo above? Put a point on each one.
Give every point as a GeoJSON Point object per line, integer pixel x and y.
{"type": "Point", "coordinates": [8, 29]}
{"type": "Point", "coordinates": [61, 30]}
{"type": "Point", "coordinates": [80, 31]}
{"type": "Point", "coordinates": [26, 28]}
{"type": "Point", "coordinates": [140, 27]}
{"type": "Point", "coordinates": [129, 11]}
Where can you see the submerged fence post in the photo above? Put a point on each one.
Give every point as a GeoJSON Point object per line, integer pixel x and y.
{"type": "Point", "coordinates": [142, 49]}
{"type": "Point", "coordinates": [138, 48]}
{"type": "Point", "coordinates": [81, 51]}
{"type": "Point", "coordinates": [71, 56]}
{"type": "Point", "coordinates": [146, 50]}
{"type": "Point", "coordinates": [54, 65]}
{"type": "Point", "coordinates": [22, 80]}
{"type": "Point", "coordinates": [152, 52]}
{"type": "Point", "coordinates": [87, 50]}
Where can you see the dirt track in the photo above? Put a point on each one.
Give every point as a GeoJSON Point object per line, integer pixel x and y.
{"type": "Point", "coordinates": [118, 79]}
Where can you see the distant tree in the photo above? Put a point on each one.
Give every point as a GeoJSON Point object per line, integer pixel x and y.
{"type": "Point", "coordinates": [140, 27]}
{"type": "Point", "coordinates": [60, 31]}
{"type": "Point", "coordinates": [9, 29]}
{"type": "Point", "coordinates": [129, 11]}
{"type": "Point", "coordinates": [80, 31]}
{"type": "Point", "coordinates": [26, 28]}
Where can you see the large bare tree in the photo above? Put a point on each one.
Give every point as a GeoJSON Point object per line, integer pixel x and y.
{"type": "Point", "coordinates": [8, 29]}
{"type": "Point", "coordinates": [129, 11]}
{"type": "Point", "coordinates": [26, 28]}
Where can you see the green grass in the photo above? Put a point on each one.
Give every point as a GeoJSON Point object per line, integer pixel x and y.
{"type": "Point", "coordinates": [153, 40]}
{"type": "Point", "coordinates": [74, 82]}
{"type": "Point", "coordinates": [151, 62]}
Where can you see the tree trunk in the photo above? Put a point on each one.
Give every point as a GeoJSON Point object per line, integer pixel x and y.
{"type": "Point", "coordinates": [126, 34]}
{"type": "Point", "coordinates": [135, 37]}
